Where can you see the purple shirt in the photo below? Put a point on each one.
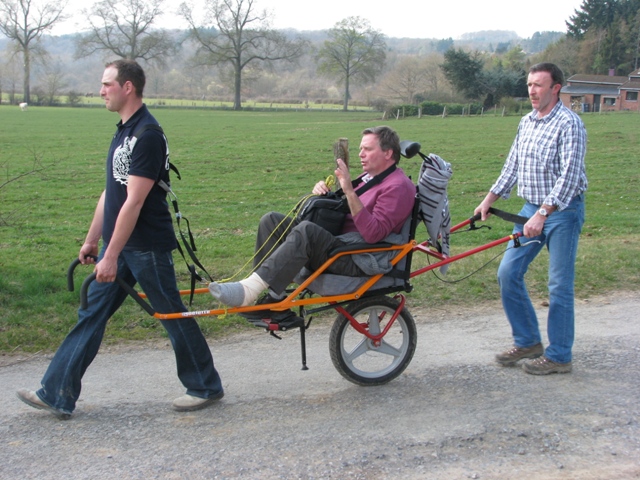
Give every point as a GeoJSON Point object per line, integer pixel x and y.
{"type": "Point", "coordinates": [386, 207]}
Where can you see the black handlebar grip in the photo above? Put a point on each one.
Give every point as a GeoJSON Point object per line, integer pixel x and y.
{"type": "Point", "coordinates": [72, 267]}
{"type": "Point", "coordinates": [84, 303]}
{"type": "Point", "coordinates": [83, 290]}
{"type": "Point", "coordinates": [70, 270]}
{"type": "Point", "coordinates": [476, 217]}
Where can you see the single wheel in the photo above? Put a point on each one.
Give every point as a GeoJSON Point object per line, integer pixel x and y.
{"type": "Point", "coordinates": [364, 361]}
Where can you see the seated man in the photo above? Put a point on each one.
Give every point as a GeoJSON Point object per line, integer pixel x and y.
{"type": "Point", "coordinates": [378, 215]}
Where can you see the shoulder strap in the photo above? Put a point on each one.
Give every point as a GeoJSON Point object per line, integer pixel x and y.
{"type": "Point", "coordinates": [371, 183]}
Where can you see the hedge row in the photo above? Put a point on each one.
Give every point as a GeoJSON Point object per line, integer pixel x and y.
{"type": "Point", "coordinates": [506, 106]}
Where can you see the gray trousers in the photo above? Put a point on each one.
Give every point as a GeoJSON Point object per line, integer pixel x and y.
{"type": "Point", "coordinates": [304, 245]}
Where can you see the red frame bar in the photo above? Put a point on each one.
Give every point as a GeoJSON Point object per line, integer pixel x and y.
{"type": "Point", "coordinates": [363, 330]}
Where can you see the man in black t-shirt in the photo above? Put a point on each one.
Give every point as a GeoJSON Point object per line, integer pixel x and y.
{"type": "Point", "coordinates": [134, 222]}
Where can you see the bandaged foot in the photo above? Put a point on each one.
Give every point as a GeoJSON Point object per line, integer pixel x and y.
{"type": "Point", "coordinates": [238, 294]}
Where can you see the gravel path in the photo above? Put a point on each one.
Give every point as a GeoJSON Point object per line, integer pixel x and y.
{"type": "Point", "coordinates": [453, 414]}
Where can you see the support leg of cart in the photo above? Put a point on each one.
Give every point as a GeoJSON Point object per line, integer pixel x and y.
{"type": "Point", "coordinates": [303, 347]}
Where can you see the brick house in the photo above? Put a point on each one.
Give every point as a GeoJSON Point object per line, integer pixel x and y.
{"type": "Point", "coordinates": [602, 93]}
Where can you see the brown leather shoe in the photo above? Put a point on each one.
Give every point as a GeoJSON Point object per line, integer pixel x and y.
{"type": "Point", "coordinates": [33, 400]}
{"type": "Point", "coordinates": [513, 355]}
{"type": "Point", "coordinates": [544, 366]}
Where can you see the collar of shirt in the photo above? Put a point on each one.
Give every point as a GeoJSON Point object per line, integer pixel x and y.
{"type": "Point", "coordinates": [533, 116]}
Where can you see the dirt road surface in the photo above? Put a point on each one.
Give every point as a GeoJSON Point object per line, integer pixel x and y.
{"type": "Point", "coordinates": [453, 414]}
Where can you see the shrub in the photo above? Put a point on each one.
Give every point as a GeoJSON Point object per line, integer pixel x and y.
{"type": "Point", "coordinates": [379, 104]}
{"type": "Point", "coordinates": [73, 98]}
{"type": "Point", "coordinates": [432, 108]}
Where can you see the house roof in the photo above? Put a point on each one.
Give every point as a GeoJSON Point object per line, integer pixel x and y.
{"type": "Point", "coordinates": [601, 84]}
{"type": "Point", "coordinates": [631, 86]}
{"type": "Point", "coordinates": [590, 90]}
{"type": "Point", "coordinates": [598, 79]}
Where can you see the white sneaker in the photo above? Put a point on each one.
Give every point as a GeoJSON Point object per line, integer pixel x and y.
{"type": "Point", "coordinates": [33, 400]}
{"type": "Point", "coordinates": [189, 403]}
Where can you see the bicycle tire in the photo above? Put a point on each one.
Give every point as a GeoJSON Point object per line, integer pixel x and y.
{"type": "Point", "coordinates": [357, 358]}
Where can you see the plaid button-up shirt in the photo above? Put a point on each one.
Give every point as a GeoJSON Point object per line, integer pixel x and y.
{"type": "Point", "coordinates": [546, 159]}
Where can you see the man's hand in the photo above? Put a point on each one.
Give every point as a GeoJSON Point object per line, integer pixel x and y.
{"type": "Point", "coordinates": [485, 205]}
{"type": "Point", "coordinates": [483, 210]}
{"type": "Point", "coordinates": [534, 226]}
{"type": "Point", "coordinates": [321, 188]}
{"type": "Point", "coordinates": [343, 176]}
{"type": "Point", "coordinates": [87, 254]}
{"type": "Point", "coordinates": [106, 270]}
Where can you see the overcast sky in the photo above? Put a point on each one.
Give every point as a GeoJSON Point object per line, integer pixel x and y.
{"type": "Point", "coordinates": [400, 18]}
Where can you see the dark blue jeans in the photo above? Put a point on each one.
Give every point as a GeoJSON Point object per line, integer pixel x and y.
{"type": "Point", "coordinates": [155, 274]}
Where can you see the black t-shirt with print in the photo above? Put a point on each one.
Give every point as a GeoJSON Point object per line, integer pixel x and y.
{"type": "Point", "coordinates": [149, 159]}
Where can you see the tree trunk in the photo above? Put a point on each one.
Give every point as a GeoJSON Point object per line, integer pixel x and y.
{"type": "Point", "coordinates": [237, 99]}
{"type": "Point", "coordinates": [26, 87]}
{"type": "Point", "coordinates": [345, 103]}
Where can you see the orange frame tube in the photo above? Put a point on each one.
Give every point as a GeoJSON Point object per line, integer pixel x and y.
{"type": "Point", "coordinates": [292, 299]}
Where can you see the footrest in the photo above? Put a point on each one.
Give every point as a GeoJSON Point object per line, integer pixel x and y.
{"type": "Point", "coordinates": [279, 323]}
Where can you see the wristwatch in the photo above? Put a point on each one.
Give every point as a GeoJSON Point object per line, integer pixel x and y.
{"type": "Point", "coordinates": [543, 212]}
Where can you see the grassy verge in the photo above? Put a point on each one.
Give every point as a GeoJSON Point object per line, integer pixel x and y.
{"type": "Point", "coordinates": [237, 166]}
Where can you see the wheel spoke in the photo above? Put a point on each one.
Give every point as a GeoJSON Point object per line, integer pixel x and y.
{"type": "Point", "coordinates": [360, 349]}
{"type": "Point", "coordinates": [374, 322]}
{"type": "Point", "coordinates": [388, 349]}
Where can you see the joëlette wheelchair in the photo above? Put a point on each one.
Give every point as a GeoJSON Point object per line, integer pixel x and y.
{"type": "Point", "coordinates": [374, 336]}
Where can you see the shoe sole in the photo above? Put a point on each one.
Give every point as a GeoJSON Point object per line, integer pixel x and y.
{"type": "Point", "coordinates": [200, 406]}
{"type": "Point", "coordinates": [512, 363]}
{"type": "Point", "coordinates": [45, 407]}
{"type": "Point", "coordinates": [547, 372]}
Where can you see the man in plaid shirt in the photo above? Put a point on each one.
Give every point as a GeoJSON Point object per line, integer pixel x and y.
{"type": "Point", "coordinates": [547, 162]}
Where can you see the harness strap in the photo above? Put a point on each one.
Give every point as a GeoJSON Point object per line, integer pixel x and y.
{"type": "Point", "coordinates": [374, 181]}
{"type": "Point", "coordinates": [509, 217]}
{"type": "Point", "coordinates": [189, 245]}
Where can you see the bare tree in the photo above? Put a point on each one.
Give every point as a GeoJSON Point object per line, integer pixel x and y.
{"type": "Point", "coordinates": [11, 75]}
{"type": "Point", "coordinates": [241, 36]}
{"type": "Point", "coordinates": [125, 28]}
{"type": "Point", "coordinates": [53, 82]}
{"type": "Point", "coordinates": [409, 78]}
{"type": "Point", "coordinates": [354, 51]}
{"type": "Point", "coordinates": [24, 22]}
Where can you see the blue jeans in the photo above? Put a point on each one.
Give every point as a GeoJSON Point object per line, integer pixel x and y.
{"type": "Point", "coordinates": [155, 273]}
{"type": "Point", "coordinates": [560, 235]}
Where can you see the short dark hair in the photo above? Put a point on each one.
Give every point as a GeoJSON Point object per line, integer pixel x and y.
{"type": "Point", "coordinates": [129, 71]}
{"type": "Point", "coordinates": [551, 68]}
{"type": "Point", "coordinates": [388, 139]}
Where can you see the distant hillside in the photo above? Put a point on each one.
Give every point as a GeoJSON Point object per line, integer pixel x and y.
{"type": "Point", "coordinates": [487, 40]}
{"type": "Point", "coordinates": [500, 41]}
{"type": "Point", "coordinates": [82, 75]}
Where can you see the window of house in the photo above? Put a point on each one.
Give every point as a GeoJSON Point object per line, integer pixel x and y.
{"type": "Point", "coordinates": [609, 101]}
{"type": "Point", "coordinates": [632, 96]}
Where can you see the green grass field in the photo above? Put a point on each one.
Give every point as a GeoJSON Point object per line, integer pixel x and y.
{"type": "Point", "coordinates": [238, 165]}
